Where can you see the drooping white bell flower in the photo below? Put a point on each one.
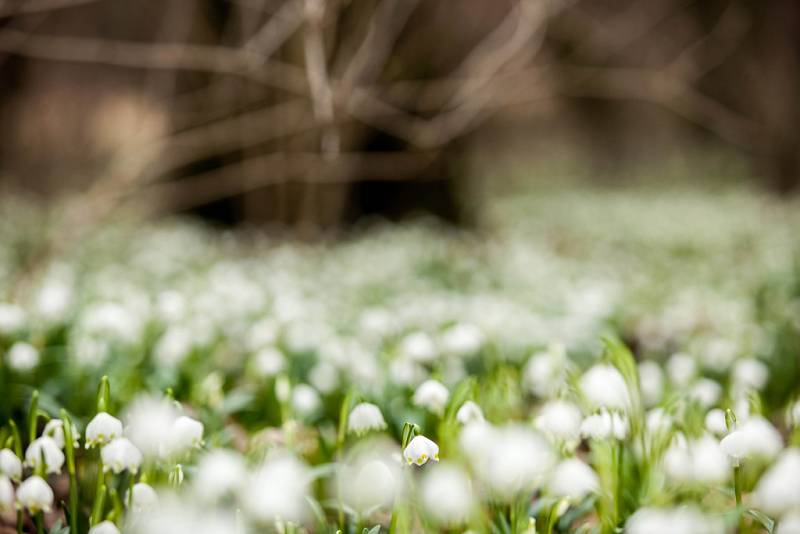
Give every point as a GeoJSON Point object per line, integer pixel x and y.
{"type": "Point", "coordinates": [681, 369]}
{"type": "Point", "coordinates": [106, 527]}
{"type": "Point", "coordinates": [749, 374]}
{"type": "Point", "coordinates": [544, 373]}
{"type": "Point", "coordinates": [573, 479]}
{"type": "Point", "coordinates": [684, 519]}
{"type": "Point", "coordinates": [121, 455]}
{"type": "Point", "coordinates": [462, 340]}
{"type": "Point", "coordinates": [520, 460]}
{"type": "Point", "coordinates": [278, 490]}
{"type": "Point", "coordinates": [756, 437]}
{"type": "Point", "coordinates": [446, 495]}
{"type": "Point", "coordinates": [44, 447]}
{"type": "Point", "coordinates": [365, 417]}
{"type": "Point", "coordinates": [35, 495]}
{"type": "Point", "coordinates": [560, 420]}
{"type": "Point", "coordinates": [469, 412]}
{"type": "Point", "coordinates": [187, 433]}
{"type": "Point", "coordinates": [421, 449]}
{"type": "Point", "coordinates": [143, 497]}
{"type": "Point", "coordinates": [418, 347]}
{"type": "Point", "coordinates": [715, 422]}
{"type": "Point", "coordinates": [431, 395]}
{"type": "Point", "coordinates": [22, 357]}
{"type": "Point", "coordinates": [102, 429]}
{"type": "Point", "coordinates": [699, 461]}
{"type": "Point", "coordinates": [219, 473]}
{"type": "Point", "coordinates": [657, 421]}
{"type": "Point", "coordinates": [778, 490]}
{"type": "Point", "coordinates": [604, 425]}
{"type": "Point", "coordinates": [10, 465]}
{"type": "Point", "coordinates": [324, 376]}
{"type": "Point", "coordinates": [268, 362]}
{"type": "Point", "coordinates": [706, 392]}
{"type": "Point", "coordinates": [372, 479]}
{"type": "Point", "coordinates": [305, 400]}
{"type": "Point", "coordinates": [6, 494]}
{"type": "Point", "coordinates": [604, 387]}
{"type": "Point", "coordinates": [149, 424]}
{"type": "Point", "coordinates": [651, 382]}
{"type": "Point", "coordinates": [55, 429]}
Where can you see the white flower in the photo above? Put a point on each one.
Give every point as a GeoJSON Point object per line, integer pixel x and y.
{"type": "Point", "coordinates": [651, 381]}
{"type": "Point", "coordinates": [219, 473]}
{"type": "Point", "coordinates": [706, 392]}
{"type": "Point", "coordinates": [789, 523]}
{"type": "Point", "coordinates": [35, 495]}
{"type": "Point", "coordinates": [268, 362]}
{"type": "Point", "coordinates": [431, 395]}
{"type": "Point", "coordinates": [418, 347]}
{"type": "Point", "coordinates": [305, 400]}
{"type": "Point", "coordinates": [447, 495]}
{"type": "Point", "coordinates": [106, 527]}
{"type": "Point", "coordinates": [55, 429]}
{"type": "Point", "coordinates": [278, 490]}
{"type": "Point", "coordinates": [149, 425]}
{"type": "Point", "coordinates": [44, 447]}
{"type": "Point", "coordinates": [793, 415]}
{"type": "Point", "coordinates": [681, 369]}
{"type": "Point", "coordinates": [121, 455]}
{"type": "Point", "coordinates": [469, 413]}
{"type": "Point", "coordinates": [756, 437]}
{"type": "Point", "coordinates": [605, 424]}
{"type": "Point", "coordinates": [462, 339]}
{"type": "Point", "coordinates": [681, 520]}
{"type": "Point", "coordinates": [143, 497]}
{"type": "Point", "coordinates": [699, 461]}
{"type": "Point", "coordinates": [173, 346]}
{"type": "Point", "coordinates": [519, 460]}
{"type": "Point", "coordinates": [365, 417]}
{"type": "Point", "coordinates": [778, 490]}
{"type": "Point", "coordinates": [545, 371]}
{"type": "Point", "coordinates": [102, 429]}
{"type": "Point", "coordinates": [12, 318]}
{"type": "Point", "coordinates": [715, 422]}
{"type": "Point", "coordinates": [657, 421]}
{"type": "Point", "coordinates": [604, 387]}
{"type": "Point", "coordinates": [420, 450]}
{"type": "Point", "coordinates": [749, 373]}
{"type": "Point", "coordinates": [6, 494]}
{"type": "Point", "coordinates": [22, 357]}
{"type": "Point", "coordinates": [10, 465]}
{"type": "Point", "coordinates": [371, 482]}
{"type": "Point", "coordinates": [560, 420]}
{"type": "Point", "coordinates": [324, 377]}
{"type": "Point", "coordinates": [573, 479]}
{"type": "Point", "coordinates": [186, 434]}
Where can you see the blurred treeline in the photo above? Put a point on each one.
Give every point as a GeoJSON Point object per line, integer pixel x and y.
{"type": "Point", "coordinates": [313, 113]}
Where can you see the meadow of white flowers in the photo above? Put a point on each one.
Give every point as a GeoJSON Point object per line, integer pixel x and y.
{"type": "Point", "coordinates": [585, 362]}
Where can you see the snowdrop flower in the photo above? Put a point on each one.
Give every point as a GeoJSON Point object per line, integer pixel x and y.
{"type": "Point", "coordinates": [102, 429]}
{"type": "Point", "coordinates": [268, 362]}
{"type": "Point", "coordinates": [10, 465]}
{"type": "Point", "coordinates": [219, 473]}
{"type": "Point", "coordinates": [682, 520]}
{"type": "Point", "coordinates": [420, 450]}
{"type": "Point", "coordinates": [143, 497]}
{"type": "Point", "coordinates": [462, 339]}
{"type": "Point", "coordinates": [305, 400]}
{"type": "Point", "coordinates": [573, 479]}
{"type": "Point", "coordinates": [278, 490]}
{"type": "Point", "coordinates": [404, 372]}
{"type": "Point", "coordinates": [651, 381]}
{"type": "Point", "coordinates": [324, 377]}
{"type": "Point", "coordinates": [658, 421]}
{"type": "Point", "coordinates": [560, 420]}
{"type": "Point", "coordinates": [106, 527]}
{"type": "Point", "coordinates": [53, 300]}
{"type": "Point", "coordinates": [604, 387]}
{"type": "Point", "coordinates": [35, 495]}
{"type": "Point", "coordinates": [173, 346]}
{"type": "Point", "coordinates": [756, 437]}
{"type": "Point", "coordinates": [6, 494]}
{"type": "Point", "coordinates": [365, 417]}
{"type": "Point", "coordinates": [431, 395]}
{"type": "Point", "coordinates": [789, 523]}
{"type": "Point", "coordinates": [778, 490]}
{"type": "Point", "coordinates": [186, 434]}
{"type": "Point", "coordinates": [12, 318]}
{"type": "Point", "coordinates": [715, 422]}
{"type": "Point", "coordinates": [44, 447]}
{"type": "Point", "coordinates": [418, 347]}
{"type": "Point", "coordinates": [371, 482]}
{"type": "Point", "coordinates": [545, 371]}
{"type": "Point", "coordinates": [149, 424]}
{"type": "Point", "coordinates": [519, 460]}
{"type": "Point", "coordinates": [749, 373]}
{"type": "Point", "coordinates": [469, 413]}
{"type": "Point", "coordinates": [447, 495]}
{"type": "Point", "coordinates": [22, 357]}
{"type": "Point", "coordinates": [706, 392]}
{"type": "Point", "coordinates": [121, 455]}
{"type": "Point", "coordinates": [605, 424]}
{"type": "Point", "coordinates": [700, 461]}
{"type": "Point", "coordinates": [681, 369]}
{"type": "Point", "coordinates": [55, 429]}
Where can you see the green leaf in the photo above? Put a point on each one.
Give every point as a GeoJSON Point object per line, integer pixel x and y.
{"type": "Point", "coordinates": [461, 393]}
{"type": "Point", "coordinates": [763, 519]}
{"type": "Point", "coordinates": [374, 530]}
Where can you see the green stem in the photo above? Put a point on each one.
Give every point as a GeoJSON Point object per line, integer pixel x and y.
{"type": "Point", "coordinates": [73, 477]}
{"type": "Point", "coordinates": [737, 491]}
{"type": "Point", "coordinates": [39, 523]}
{"type": "Point", "coordinates": [100, 495]}
{"type": "Point", "coordinates": [618, 488]}
{"type": "Point", "coordinates": [19, 521]}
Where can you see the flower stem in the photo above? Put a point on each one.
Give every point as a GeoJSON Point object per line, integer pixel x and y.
{"type": "Point", "coordinates": [618, 493]}
{"type": "Point", "coordinates": [39, 523]}
{"type": "Point", "coordinates": [19, 522]}
{"type": "Point", "coordinates": [100, 495]}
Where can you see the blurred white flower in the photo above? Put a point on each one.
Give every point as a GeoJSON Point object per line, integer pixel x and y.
{"type": "Point", "coordinates": [793, 415]}
{"type": "Point", "coordinates": [6, 494]}
{"type": "Point", "coordinates": [404, 372]}
{"type": "Point", "coordinates": [35, 495]}
{"type": "Point", "coordinates": [715, 422]}
{"type": "Point", "coordinates": [469, 413]}
{"type": "Point", "coordinates": [421, 449]}
{"type": "Point", "coordinates": [446, 495]}
{"type": "Point", "coordinates": [12, 318]}
{"type": "Point", "coordinates": [53, 300]}
{"type": "Point", "coordinates": [149, 424]}
{"type": "Point", "coordinates": [55, 429]}
{"type": "Point", "coordinates": [431, 395]}
{"type": "Point", "coordinates": [604, 387]}
{"type": "Point", "coordinates": [706, 392]}
{"type": "Point", "coordinates": [749, 373]}
{"type": "Point", "coordinates": [44, 448]}
{"type": "Point", "coordinates": [371, 482]}
{"type": "Point", "coordinates": [186, 434]}
{"type": "Point", "coordinates": [365, 417]}
{"type": "Point", "coordinates": [604, 425]}
{"type": "Point", "coordinates": [573, 479]}
{"type": "Point", "coordinates": [681, 369]}
{"type": "Point", "coordinates": [102, 429]}
{"type": "Point", "coordinates": [544, 373]}
{"type": "Point", "coordinates": [651, 381]}
{"type": "Point", "coordinates": [10, 465]}
{"type": "Point", "coordinates": [658, 421]}
{"type": "Point", "coordinates": [22, 357]}
{"type": "Point", "coordinates": [778, 490]}
{"type": "Point", "coordinates": [520, 460]}
{"type": "Point", "coordinates": [268, 362]}
{"type": "Point", "coordinates": [173, 516]}
{"type": "Point", "coordinates": [219, 473]}
{"type": "Point", "coordinates": [700, 461]}
{"type": "Point", "coordinates": [560, 420]}
{"type": "Point", "coordinates": [305, 400]}
{"type": "Point", "coordinates": [173, 346]}
{"type": "Point", "coordinates": [278, 490]}
{"type": "Point", "coordinates": [143, 497]}
{"type": "Point", "coordinates": [121, 455]}
{"type": "Point", "coordinates": [324, 377]}
{"type": "Point", "coordinates": [756, 437]}
{"type": "Point", "coordinates": [418, 347]}
{"type": "Point", "coordinates": [681, 520]}
{"type": "Point", "coordinates": [789, 523]}
{"type": "Point", "coordinates": [462, 339]}
{"type": "Point", "coordinates": [106, 527]}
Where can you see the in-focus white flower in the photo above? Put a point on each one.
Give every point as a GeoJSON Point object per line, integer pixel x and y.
{"type": "Point", "coordinates": [749, 373]}
{"type": "Point", "coordinates": [365, 417]}
{"type": "Point", "coordinates": [35, 495]}
{"type": "Point", "coordinates": [573, 479]}
{"type": "Point", "coordinates": [604, 425]}
{"type": "Point", "coordinates": [278, 490]}
{"type": "Point", "coordinates": [106, 527]}
{"type": "Point", "coordinates": [715, 422]}
{"type": "Point", "coordinates": [461, 340]}
{"type": "Point", "coordinates": [544, 373]}
{"type": "Point", "coordinates": [305, 400]}
{"type": "Point", "coordinates": [44, 447]}
{"type": "Point", "coordinates": [604, 387]}
{"type": "Point", "coordinates": [149, 424]}
{"type": "Point", "coordinates": [418, 347]}
{"type": "Point", "coordinates": [121, 455]}
{"type": "Point", "coordinates": [22, 357]}
{"type": "Point", "coordinates": [219, 473]}
{"type": "Point", "coordinates": [143, 497]}
{"type": "Point", "coordinates": [187, 433]}
{"type": "Point", "coordinates": [681, 369]}
{"type": "Point", "coordinates": [469, 413]}
{"type": "Point", "coordinates": [10, 465]}
{"type": "Point", "coordinates": [706, 392]}
{"type": "Point", "coordinates": [651, 381]}
{"type": "Point", "coordinates": [560, 420]}
{"type": "Point", "coordinates": [268, 362]}
{"type": "Point", "coordinates": [756, 437]}
{"type": "Point", "coordinates": [680, 520]}
{"type": "Point", "coordinates": [102, 429]}
{"type": "Point", "coordinates": [55, 429]}
{"type": "Point", "coordinates": [447, 495]}
{"type": "Point", "coordinates": [778, 490]}
{"type": "Point", "coordinates": [6, 494]}
{"type": "Point", "coordinates": [421, 449]}
{"type": "Point", "coordinates": [432, 395]}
